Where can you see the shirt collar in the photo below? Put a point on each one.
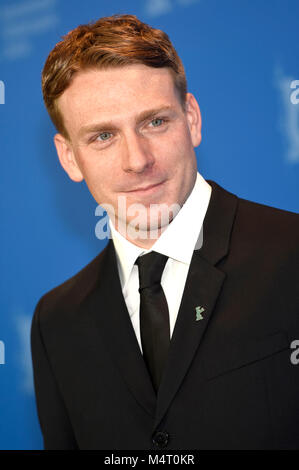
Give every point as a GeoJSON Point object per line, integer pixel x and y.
{"type": "Point", "coordinates": [177, 241]}
{"type": "Point", "coordinates": [127, 253]}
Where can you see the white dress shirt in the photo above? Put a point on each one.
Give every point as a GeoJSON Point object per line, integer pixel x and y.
{"type": "Point", "coordinates": [178, 241]}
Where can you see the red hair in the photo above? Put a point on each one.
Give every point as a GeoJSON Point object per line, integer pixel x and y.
{"type": "Point", "coordinates": [113, 41]}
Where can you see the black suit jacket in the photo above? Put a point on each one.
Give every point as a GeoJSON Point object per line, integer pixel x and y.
{"type": "Point", "coordinates": [229, 382]}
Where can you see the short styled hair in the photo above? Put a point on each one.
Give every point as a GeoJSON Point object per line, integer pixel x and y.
{"type": "Point", "coordinates": [112, 41]}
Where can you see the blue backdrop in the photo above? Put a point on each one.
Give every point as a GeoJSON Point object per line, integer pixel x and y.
{"type": "Point", "coordinates": [241, 60]}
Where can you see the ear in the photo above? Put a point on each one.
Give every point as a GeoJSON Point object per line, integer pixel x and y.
{"type": "Point", "coordinates": [66, 157]}
{"type": "Point", "coordinates": [194, 119]}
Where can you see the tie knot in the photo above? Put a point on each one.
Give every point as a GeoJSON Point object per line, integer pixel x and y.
{"type": "Point", "coordinates": [150, 268]}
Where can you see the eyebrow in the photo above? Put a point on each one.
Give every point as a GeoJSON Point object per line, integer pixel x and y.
{"type": "Point", "coordinates": [100, 126]}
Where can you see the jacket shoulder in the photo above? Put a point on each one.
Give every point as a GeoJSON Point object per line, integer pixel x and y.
{"type": "Point", "coordinates": [253, 224]}
{"type": "Point", "coordinates": [72, 292]}
{"type": "Point", "coordinates": [266, 224]}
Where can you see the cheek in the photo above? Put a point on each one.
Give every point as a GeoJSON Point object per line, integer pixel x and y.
{"type": "Point", "coordinates": [180, 153]}
{"type": "Point", "coordinates": [96, 179]}
{"type": "Point", "coordinates": [170, 148]}
{"type": "Point", "coordinates": [186, 141]}
{"type": "Point", "coordinates": [93, 168]}
{"type": "Point", "coordinates": [181, 139]}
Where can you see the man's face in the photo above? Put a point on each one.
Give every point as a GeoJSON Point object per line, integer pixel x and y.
{"type": "Point", "coordinates": [129, 136]}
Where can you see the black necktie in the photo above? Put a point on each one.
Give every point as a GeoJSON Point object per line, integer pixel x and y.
{"type": "Point", "coordinates": [154, 315]}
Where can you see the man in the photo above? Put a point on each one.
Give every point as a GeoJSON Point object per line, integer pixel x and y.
{"type": "Point", "coordinates": [178, 334]}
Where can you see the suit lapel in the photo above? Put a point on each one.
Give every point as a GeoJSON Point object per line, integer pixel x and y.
{"type": "Point", "coordinates": [203, 286]}
{"type": "Point", "coordinates": [110, 315]}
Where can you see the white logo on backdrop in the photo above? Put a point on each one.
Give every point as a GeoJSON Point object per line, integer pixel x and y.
{"type": "Point", "coordinates": [289, 114]}
{"type": "Point", "coordinates": [2, 353]}
{"type": "Point", "coordinates": [21, 23]}
{"type": "Point", "coordinates": [2, 92]}
{"type": "Point", "coordinates": [160, 7]}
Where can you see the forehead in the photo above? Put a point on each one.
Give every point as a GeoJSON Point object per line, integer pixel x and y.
{"type": "Point", "coordinates": [118, 90]}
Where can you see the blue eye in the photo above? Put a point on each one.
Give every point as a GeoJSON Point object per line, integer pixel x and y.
{"type": "Point", "coordinates": [157, 119]}
{"type": "Point", "coordinates": [104, 134]}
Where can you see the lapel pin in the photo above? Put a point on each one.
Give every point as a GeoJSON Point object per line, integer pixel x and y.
{"type": "Point", "coordinates": [199, 311]}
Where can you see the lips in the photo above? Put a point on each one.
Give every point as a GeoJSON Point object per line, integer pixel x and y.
{"type": "Point", "coordinates": [146, 188]}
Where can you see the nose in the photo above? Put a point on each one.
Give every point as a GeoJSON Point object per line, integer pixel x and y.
{"type": "Point", "coordinates": [136, 153]}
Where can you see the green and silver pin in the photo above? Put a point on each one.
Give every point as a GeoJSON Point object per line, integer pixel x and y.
{"type": "Point", "coordinates": [199, 311]}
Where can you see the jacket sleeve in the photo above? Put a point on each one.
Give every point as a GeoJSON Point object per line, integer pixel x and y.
{"type": "Point", "coordinates": [53, 418]}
